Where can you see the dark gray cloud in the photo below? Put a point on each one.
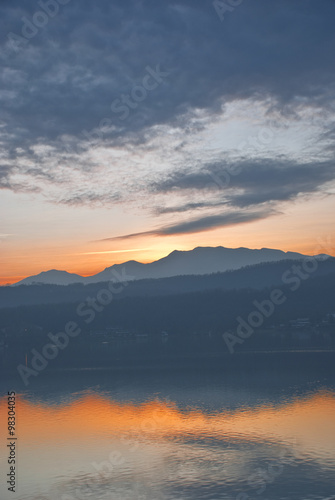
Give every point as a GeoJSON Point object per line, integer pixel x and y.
{"type": "Point", "coordinates": [66, 77]}
{"type": "Point", "coordinates": [244, 183]}
{"type": "Point", "coordinates": [201, 224]}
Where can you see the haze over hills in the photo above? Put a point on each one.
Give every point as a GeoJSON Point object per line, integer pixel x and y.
{"type": "Point", "coordinates": [199, 261]}
{"type": "Point", "coordinates": [255, 277]}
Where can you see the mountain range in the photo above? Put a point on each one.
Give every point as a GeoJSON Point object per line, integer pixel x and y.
{"type": "Point", "coordinates": [199, 261]}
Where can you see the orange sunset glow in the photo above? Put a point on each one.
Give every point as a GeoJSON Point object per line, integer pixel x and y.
{"type": "Point", "coordinates": [143, 155]}
{"type": "Point", "coordinates": [96, 416]}
{"type": "Point", "coordinates": [299, 231]}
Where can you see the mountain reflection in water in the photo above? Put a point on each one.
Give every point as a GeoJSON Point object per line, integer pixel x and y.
{"type": "Point", "coordinates": [92, 446]}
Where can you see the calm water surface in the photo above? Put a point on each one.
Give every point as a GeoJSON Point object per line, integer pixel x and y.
{"type": "Point", "coordinates": [153, 435]}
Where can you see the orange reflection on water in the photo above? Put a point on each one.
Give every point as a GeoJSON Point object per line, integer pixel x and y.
{"type": "Point", "coordinates": [310, 421]}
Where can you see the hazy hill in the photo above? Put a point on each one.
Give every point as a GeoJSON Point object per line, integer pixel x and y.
{"type": "Point", "coordinates": [255, 277]}
{"type": "Point", "coordinates": [199, 261]}
{"type": "Point", "coordinates": [203, 311]}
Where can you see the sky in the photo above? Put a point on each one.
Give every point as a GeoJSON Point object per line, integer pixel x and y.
{"type": "Point", "coordinates": [131, 128]}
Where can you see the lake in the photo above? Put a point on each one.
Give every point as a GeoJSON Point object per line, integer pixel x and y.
{"type": "Point", "coordinates": [260, 432]}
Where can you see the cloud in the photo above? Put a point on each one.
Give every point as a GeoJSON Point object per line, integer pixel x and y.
{"type": "Point", "coordinates": [89, 197]}
{"type": "Point", "coordinates": [4, 236]}
{"type": "Point", "coordinates": [245, 183]}
{"type": "Point", "coordinates": [113, 251]}
{"type": "Point", "coordinates": [187, 207]}
{"type": "Point", "coordinates": [61, 136]}
{"type": "Point", "coordinates": [7, 172]}
{"type": "Point", "coordinates": [67, 76]}
{"type": "Point", "coordinates": [200, 224]}
{"type": "Point", "coordinates": [327, 137]}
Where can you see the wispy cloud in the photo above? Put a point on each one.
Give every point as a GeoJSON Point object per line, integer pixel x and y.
{"type": "Point", "coordinates": [89, 197]}
{"type": "Point", "coordinates": [201, 224]}
{"type": "Point", "coordinates": [114, 251]}
{"type": "Point", "coordinates": [4, 236]}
